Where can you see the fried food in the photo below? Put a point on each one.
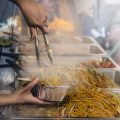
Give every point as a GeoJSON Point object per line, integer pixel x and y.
{"type": "Point", "coordinates": [61, 25]}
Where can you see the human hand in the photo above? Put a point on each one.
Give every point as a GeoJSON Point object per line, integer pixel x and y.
{"type": "Point", "coordinates": [34, 14]}
{"type": "Point", "coordinates": [24, 95]}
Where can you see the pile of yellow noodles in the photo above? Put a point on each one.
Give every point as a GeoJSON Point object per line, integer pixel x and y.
{"type": "Point", "coordinates": [52, 80]}
{"type": "Point", "coordinates": [61, 25]}
{"type": "Point", "coordinates": [88, 102]}
{"type": "Point", "coordinates": [57, 78]}
{"type": "Point", "coordinates": [87, 99]}
{"type": "Point", "coordinates": [89, 77]}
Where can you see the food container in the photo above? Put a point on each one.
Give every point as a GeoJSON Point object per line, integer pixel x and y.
{"type": "Point", "coordinates": [77, 60]}
{"type": "Point", "coordinates": [113, 90]}
{"type": "Point", "coordinates": [88, 39]}
{"type": "Point", "coordinates": [86, 45]}
{"type": "Point", "coordinates": [29, 64]}
{"type": "Point", "coordinates": [111, 72]}
{"type": "Point", "coordinates": [76, 49]}
{"type": "Point", "coordinates": [52, 93]}
{"type": "Point", "coordinates": [45, 92]}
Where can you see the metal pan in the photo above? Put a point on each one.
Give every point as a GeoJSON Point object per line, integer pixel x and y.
{"type": "Point", "coordinates": [113, 73]}
{"type": "Point", "coordinates": [15, 113]}
{"type": "Point", "coordinates": [76, 49]}
{"type": "Point", "coordinates": [45, 118]}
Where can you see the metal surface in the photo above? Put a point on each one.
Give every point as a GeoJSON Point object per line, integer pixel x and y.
{"type": "Point", "coordinates": [48, 49]}
{"type": "Point", "coordinates": [113, 90]}
{"type": "Point", "coordinates": [78, 59]}
{"type": "Point", "coordinates": [7, 76]}
{"type": "Point", "coordinates": [112, 73]}
{"type": "Point", "coordinates": [37, 50]}
{"type": "Point", "coordinates": [77, 49]}
{"type": "Point", "coordinates": [87, 39]}
{"type": "Point", "coordinates": [12, 113]}
{"type": "Point", "coordinates": [45, 118]}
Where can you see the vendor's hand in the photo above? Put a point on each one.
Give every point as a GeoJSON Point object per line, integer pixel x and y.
{"type": "Point", "coordinates": [24, 95]}
{"type": "Point", "coordinates": [34, 14]}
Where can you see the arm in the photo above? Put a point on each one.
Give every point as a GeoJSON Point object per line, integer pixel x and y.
{"type": "Point", "coordinates": [6, 99]}
{"type": "Point", "coordinates": [34, 14]}
{"type": "Point", "coordinates": [21, 96]}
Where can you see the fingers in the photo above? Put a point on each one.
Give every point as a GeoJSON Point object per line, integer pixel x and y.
{"type": "Point", "coordinates": [44, 29]}
{"type": "Point", "coordinates": [31, 85]}
{"type": "Point", "coordinates": [33, 33]}
{"type": "Point", "coordinates": [38, 101]}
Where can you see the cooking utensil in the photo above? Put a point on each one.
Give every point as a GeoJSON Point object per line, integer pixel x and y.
{"type": "Point", "coordinates": [48, 49]}
{"type": "Point", "coordinates": [10, 34]}
{"type": "Point", "coordinates": [11, 55]}
{"type": "Point", "coordinates": [5, 66]}
{"type": "Point", "coordinates": [13, 37]}
{"type": "Point", "coordinates": [37, 50]}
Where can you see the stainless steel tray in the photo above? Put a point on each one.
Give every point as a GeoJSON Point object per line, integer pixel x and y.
{"type": "Point", "coordinates": [10, 115]}
{"type": "Point", "coordinates": [76, 60]}
{"type": "Point", "coordinates": [113, 73]}
{"type": "Point", "coordinates": [88, 39]}
{"type": "Point", "coordinates": [76, 49]}
{"type": "Point", "coordinates": [40, 118]}
{"type": "Point", "coordinates": [63, 49]}
{"type": "Point", "coordinates": [30, 64]}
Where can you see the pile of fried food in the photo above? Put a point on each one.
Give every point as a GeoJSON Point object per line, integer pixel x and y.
{"type": "Point", "coordinates": [55, 78]}
{"type": "Point", "coordinates": [98, 64]}
{"type": "Point", "coordinates": [61, 25]}
{"type": "Point", "coordinates": [87, 96]}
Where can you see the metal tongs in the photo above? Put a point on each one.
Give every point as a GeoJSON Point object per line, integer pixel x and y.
{"type": "Point", "coordinates": [48, 49]}
{"type": "Point", "coordinates": [37, 49]}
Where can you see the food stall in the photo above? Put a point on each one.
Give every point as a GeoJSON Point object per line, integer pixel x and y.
{"type": "Point", "coordinates": [75, 72]}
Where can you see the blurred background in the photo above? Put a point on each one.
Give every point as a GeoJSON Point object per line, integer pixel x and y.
{"type": "Point", "coordinates": [99, 19]}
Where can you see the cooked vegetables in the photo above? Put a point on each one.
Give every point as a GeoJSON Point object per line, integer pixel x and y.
{"type": "Point", "coordinates": [5, 42]}
{"type": "Point", "coordinates": [61, 25]}
{"type": "Point", "coordinates": [98, 64]}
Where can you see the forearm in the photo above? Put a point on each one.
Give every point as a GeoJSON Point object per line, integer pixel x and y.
{"type": "Point", "coordinates": [7, 99]}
